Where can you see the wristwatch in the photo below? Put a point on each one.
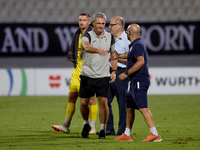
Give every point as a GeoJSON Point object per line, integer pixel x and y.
{"type": "Point", "coordinates": [114, 71]}
{"type": "Point", "coordinates": [126, 72]}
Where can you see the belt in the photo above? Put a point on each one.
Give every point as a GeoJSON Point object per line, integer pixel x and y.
{"type": "Point", "coordinates": [118, 68]}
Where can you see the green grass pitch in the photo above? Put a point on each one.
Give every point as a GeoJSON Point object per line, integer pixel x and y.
{"type": "Point", "coordinates": [25, 123]}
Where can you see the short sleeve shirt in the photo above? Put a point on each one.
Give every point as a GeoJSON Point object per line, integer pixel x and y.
{"type": "Point", "coordinates": [122, 46]}
{"type": "Point", "coordinates": [137, 48]}
{"type": "Point", "coordinates": [94, 65]}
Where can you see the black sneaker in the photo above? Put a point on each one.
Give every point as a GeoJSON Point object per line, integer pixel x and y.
{"type": "Point", "coordinates": [97, 133]}
{"type": "Point", "coordinates": [102, 134]}
{"type": "Point", "coordinates": [110, 132]}
{"type": "Point", "coordinates": [85, 131]}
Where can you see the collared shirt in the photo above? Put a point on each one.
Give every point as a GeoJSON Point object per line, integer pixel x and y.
{"type": "Point", "coordinates": [122, 46]}
{"type": "Point", "coordinates": [94, 65]}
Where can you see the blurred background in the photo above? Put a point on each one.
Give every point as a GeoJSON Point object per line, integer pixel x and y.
{"type": "Point", "coordinates": [177, 13]}
{"type": "Point", "coordinates": [66, 11]}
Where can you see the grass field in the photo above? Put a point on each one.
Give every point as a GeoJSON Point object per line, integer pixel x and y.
{"type": "Point", "coordinates": [25, 123]}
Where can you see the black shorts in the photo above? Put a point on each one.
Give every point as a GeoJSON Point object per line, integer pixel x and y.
{"type": "Point", "coordinates": [137, 94]}
{"type": "Point", "coordinates": [91, 86]}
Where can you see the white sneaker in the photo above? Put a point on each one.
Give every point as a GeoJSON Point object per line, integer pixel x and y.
{"type": "Point", "coordinates": [61, 128]}
{"type": "Point", "coordinates": [92, 131]}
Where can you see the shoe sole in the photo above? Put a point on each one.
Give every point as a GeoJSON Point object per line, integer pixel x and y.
{"type": "Point", "coordinates": [159, 140]}
{"type": "Point", "coordinates": [101, 137]}
{"type": "Point", "coordinates": [84, 136]}
{"type": "Point", "coordinates": [123, 140]}
{"type": "Point", "coordinates": [92, 132]}
{"type": "Point", "coordinates": [57, 129]}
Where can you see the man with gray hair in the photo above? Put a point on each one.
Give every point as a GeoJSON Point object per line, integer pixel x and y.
{"type": "Point", "coordinates": [95, 75]}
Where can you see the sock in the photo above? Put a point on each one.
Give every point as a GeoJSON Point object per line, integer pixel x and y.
{"type": "Point", "coordinates": [127, 132]}
{"type": "Point", "coordinates": [71, 107]}
{"type": "Point", "coordinates": [154, 131]}
{"type": "Point", "coordinates": [93, 114]}
{"type": "Point", "coordinates": [86, 122]}
{"type": "Point", "coordinates": [92, 122]}
{"type": "Point", "coordinates": [103, 127]}
{"type": "Point", "coordinates": [67, 121]}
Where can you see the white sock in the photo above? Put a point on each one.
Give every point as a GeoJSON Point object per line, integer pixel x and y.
{"type": "Point", "coordinates": [103, 127]}
{"type": "Point", "coordinates": [86, 122]}
{"type": "Point", "coordinates": [127, 132]}
{"type": "Point", "coordinates": [92, 122]}
{"type": "Point", "coordinates": [154, 131]}
{"type": "Point", "coordinates": [67, 121]}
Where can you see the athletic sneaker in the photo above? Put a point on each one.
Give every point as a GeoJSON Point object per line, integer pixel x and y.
{"type": "Point", "coordinates": [153, 138]}
{"type": "Point", "coordinates": [124, 137]}
{"type": "Point", "coordinates": [61, 128]}
{"type": "Point", "coordinates": [92, 131]}
{"type": "Point", "coordinates": [109, 132]}
{"type": "Point", "coordinates": [102, 134]}
{"type": "Point", "coordinates": [85, 131]}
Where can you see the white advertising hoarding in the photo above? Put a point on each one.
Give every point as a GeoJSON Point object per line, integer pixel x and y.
{"type": "Point", "coordinates": [5, 82]}
{"type": "Point", "coordinates": [34, 82]}
{"type": "Point", "coordinates": [17, 82]}
{"type": "Point", "coordinates": [51, 81]}
{"type": "Point", "coordinates": [180, 80]}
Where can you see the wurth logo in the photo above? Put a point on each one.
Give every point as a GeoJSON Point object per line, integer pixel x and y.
{"type": "Point", "coordinates": [54, 81]}
{"type": "Point", "coordinates": [178, 81]}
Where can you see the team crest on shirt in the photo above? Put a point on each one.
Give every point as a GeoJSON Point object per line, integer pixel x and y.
{"type": "Point", "coordinates": [106, 41]}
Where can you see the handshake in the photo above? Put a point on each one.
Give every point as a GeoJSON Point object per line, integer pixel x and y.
{"type": "Point", "coordinates": [115, 55]}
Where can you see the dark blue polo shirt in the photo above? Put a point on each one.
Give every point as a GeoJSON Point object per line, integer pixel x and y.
{"type": "Point", "coordinates": [137, 48]}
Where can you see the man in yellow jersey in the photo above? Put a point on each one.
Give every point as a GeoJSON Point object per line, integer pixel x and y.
{"type": "Point", "coordinates": [75, 56]}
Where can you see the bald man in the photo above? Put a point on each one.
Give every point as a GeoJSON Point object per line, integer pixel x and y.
{"type": "Point", "coordinates": [138, 72]}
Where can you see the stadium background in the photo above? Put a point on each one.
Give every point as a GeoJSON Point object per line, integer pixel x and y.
{"type": "Point", "coordinates": [15, 12]}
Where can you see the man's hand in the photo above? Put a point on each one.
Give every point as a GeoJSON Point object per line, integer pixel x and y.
{"type": "Point", "coordinates": [113, 56]}
{"type": "Point", "coordinates": [112, 77]}
{"type": "Point", "coordinates": [103, 52]}
{"type": "Point", "coordinates": [122, 76]}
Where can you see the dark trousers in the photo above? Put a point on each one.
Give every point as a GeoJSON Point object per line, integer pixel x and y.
{"type": "Point", "coordinates": [118, 89]}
